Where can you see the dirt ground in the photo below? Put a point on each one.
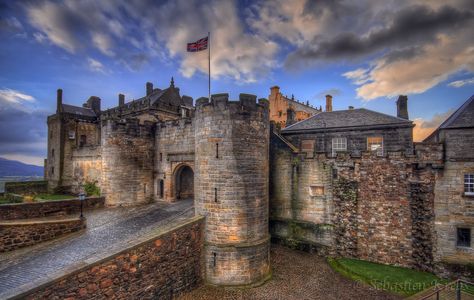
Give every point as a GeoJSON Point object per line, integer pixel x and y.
{"type": "Point", "coordinates": [296, 275]}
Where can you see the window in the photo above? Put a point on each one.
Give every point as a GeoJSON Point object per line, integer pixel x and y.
{"type": "Point", "coordinates": [280, 113]}
{"type": "Point", "coordinates": [71, 134]}
{"type": "Point", "coordinates": [339, 145]}
{"type": "Point", "coordinates": [375, 144]}
{"type": "Point", "coordinates": [52, 170]}
{"type": "Point", "coordinates": [83, 141]}
{"type": "Point", "coordinates": [51, 134]}
{"type": "Point", "coordinates": [316, 190]}
{"type": "Point", "coordinates": [52, 152]}
{"type": "Point", "coordinates": [469, 184]}
{"type": "Point", "coordinates": [464, 237]}
{"type": "Point", "coordinates": [161, 156]}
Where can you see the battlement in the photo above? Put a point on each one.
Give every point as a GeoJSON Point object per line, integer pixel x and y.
{"type": "Point", "coordinates": [247, 104]}
{"type": "Point", "coordinates": [128, 126]}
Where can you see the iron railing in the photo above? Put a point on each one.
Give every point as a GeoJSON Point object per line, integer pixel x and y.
{"type": "Point", "coordinates": [458, 290]}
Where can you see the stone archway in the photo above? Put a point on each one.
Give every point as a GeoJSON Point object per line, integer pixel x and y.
{"type": "Point", "coordinates": [184, 182]}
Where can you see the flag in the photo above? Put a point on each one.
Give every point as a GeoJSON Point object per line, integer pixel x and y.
{"type": "Point", "coordinates": [199, 45]}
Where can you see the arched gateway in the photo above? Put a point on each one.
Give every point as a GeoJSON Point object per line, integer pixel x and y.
{"type": "Point", "coordinates": [184, 182]}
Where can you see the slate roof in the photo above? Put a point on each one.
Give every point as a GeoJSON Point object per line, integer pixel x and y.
{"type": "Point", "coordinates": [360, 117]}
{"type": "Point", "coordinates": [461, 118]}
{"type": "Point", "coordinates": [77, 110]}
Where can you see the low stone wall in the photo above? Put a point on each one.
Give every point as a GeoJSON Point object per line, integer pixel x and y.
{"type": "Point", "coordinates": [46, 209]}
{"type": "Point", "coordinates": [26, 187]}
{"type": "Point", "coordinates": [162, 266]}
{"type": "Point", "coordinates": [19, 234]}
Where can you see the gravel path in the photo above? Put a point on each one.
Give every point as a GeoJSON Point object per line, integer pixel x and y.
{"type": "Point", "coordinates": [296, 275]}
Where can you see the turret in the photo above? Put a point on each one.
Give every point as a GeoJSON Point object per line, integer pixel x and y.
{"type": "Point", "coordinates": [231, 187]}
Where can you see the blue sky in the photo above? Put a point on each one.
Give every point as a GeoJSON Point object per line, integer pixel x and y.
{"type": "Point", "coordinates": [364, 53]}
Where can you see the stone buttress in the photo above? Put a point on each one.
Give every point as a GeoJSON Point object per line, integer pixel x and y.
{"type": "Point", "coordinates": [231, 188]}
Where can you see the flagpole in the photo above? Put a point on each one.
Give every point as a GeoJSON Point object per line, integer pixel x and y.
{"type": "Point", "coordinates": [209, 57]}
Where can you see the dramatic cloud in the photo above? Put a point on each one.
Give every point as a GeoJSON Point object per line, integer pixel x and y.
{"type": "Point", "coordinates": [424, 128]}
{"type": "Point", "coordinates": [417, 74]}
{"type": "Point", "coordinates": [398, 40]}
{"type": "Point", "coordinates": [461, 83]}
{"type": "Point", "coordinates": [21, 138]}
{"type": "Point", "coordinates": [158, 30]}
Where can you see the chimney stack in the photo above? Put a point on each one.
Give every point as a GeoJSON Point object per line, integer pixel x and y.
{"type": "Point", "coordinates": [59, 100]}
{"type": "Point", "coordinates": [121, 99]}
{"type": "Point", "coordinates": [328, 103]}
{"type": "Point", "coordinates": [351, 107]}
{"type": "Point", "coordinates": [402, 107]}
{"type": "Point", "coordinates": [94, 103]}
{"type": "Point", "coordinates": [149, 88]}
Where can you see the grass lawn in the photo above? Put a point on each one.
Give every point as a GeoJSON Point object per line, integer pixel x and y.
{"type": "Point", "coordinates": [53, 197]}
{"type": "Point", "coordinates": [398, 280]}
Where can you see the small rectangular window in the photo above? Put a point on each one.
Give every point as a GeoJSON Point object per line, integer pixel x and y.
{"type": "Point", "coordinates": [469, 184]}
{"type": "Point", "coordinates": [463, 237]}
{"type": "Point", "coordinates": [71, 134]}
{"type": "Point", "coordinates": [375, 144]}
{"type": "Point", "coordinates": [316, 190]}
{"type": "Point", "coordinates": [339, 145]}
{"type": "Point", "coordinates": [52, 170]}
{"type": "Point", "coordinates": [161, 156]}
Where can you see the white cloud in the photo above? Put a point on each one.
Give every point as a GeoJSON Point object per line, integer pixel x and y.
{"type": "Point", "coordinates": [103, 42]}
{"type": "Point", "coordinates": [461, 83]}
{"type": "Point", "coordinates": [416, 74]}
{"type": "Point", "coordinates": [423, 128]}
{"type": "Point", "coordinates": [14, 97]}
{"type": "Point", "coordinates": [39, 37]}
{"type": "Point", "coordinates": [95, 65]}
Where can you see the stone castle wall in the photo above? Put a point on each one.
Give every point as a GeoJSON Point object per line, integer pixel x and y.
{"type": "Point", "coordinates": [368, 207]}
{"type": "Point", "coordinates": [174, 149]}
{"type": "Point", "coordinates": [127, 162]}
{"type": "Point", "coordinates": [23, 233]}
{"type": "Point", "coordinates": [231, 187]}
{"type": "Point", "coordinates": [163, 266]}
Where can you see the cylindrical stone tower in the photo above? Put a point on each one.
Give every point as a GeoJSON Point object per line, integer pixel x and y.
{"type": "Point", "coordinates": [231, 188]}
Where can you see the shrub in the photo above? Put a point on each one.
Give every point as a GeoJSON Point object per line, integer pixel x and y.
{"type": "Point", "coordinates": [91, 188]}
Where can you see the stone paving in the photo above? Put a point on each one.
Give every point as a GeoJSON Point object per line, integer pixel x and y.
{"type": "Point", "coordinates": [108, 231]}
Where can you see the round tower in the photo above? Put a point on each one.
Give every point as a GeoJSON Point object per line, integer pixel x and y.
{"type": "Point", "coordinates": [231, 187]}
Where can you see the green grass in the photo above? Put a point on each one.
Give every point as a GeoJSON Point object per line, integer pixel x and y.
{"type": "Point", "coordinates": [398, 280]}
{"type": "Point", "coordinates": [52, 197]}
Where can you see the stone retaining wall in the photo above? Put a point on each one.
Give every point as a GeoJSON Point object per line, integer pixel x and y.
{"type": "Point", "coordinates": [19, 234]}
{"type": "Point", "coordinates": [161, 267]}
{"type": "Point", "coordinates": [26, 187]}
{"type": "Point", "coordinates": [46, 209]}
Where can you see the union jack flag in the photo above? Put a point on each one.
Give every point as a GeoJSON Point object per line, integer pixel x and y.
{"type": "Point", "coordinates": [199, 45]}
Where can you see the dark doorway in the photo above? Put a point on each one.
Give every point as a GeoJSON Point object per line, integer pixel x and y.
{"type": "Point", "coordinates": [184, 183]}
{"type": "Point", "coordinates": [162, 188]}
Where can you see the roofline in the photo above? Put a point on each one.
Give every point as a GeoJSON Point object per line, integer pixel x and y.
{"type": "Point", "coordinates": [454, 115]}
{"type": "Point", "coordinates": [349, 128]}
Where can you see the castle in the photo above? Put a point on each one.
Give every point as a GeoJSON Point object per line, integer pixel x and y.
{"type": "Point", "coordinates": [349, 183]}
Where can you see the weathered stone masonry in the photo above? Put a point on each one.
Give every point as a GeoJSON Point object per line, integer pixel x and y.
{"type": "Point", "coordinates": [231, 188]}
{"type": "Point", "coordinates": [162, 267]}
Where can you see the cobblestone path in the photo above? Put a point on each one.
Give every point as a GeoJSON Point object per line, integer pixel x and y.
{"type": "Point", "coordinates": [108, 230]}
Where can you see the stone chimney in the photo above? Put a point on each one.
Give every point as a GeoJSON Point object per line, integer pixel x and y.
{"type": "Point", "coordinates": [149, 88]}
{"type": "Point", "coordinates": [351, 107]}
{"type": "Point", "coordinates": [402, 107]}
{"type": "Point", "coordinates": [274, 90]}
{"type": "Point", "coordinates": [59, 100]}
{"type": "Point", "coordinates": [121, 99]}
{"type": "Point", "coordinates": [94, 103]}
{"type": "Point", "coordinates": [290, 117]}
{"type": "Point", "coordinates": [328, 103]}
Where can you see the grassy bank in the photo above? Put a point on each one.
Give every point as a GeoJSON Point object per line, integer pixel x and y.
{"type": "Point", "coordinates": [398, 280]}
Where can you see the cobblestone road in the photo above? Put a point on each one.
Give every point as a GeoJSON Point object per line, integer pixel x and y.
{"type": "Point", "coordinates": [108, 230]}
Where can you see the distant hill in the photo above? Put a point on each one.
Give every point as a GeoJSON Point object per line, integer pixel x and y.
{"type": "Point", "coordinates": [16, 168]}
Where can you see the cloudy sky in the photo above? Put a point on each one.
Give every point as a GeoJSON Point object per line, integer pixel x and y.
{"type": "Point", "coordinates": [364, 53]}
